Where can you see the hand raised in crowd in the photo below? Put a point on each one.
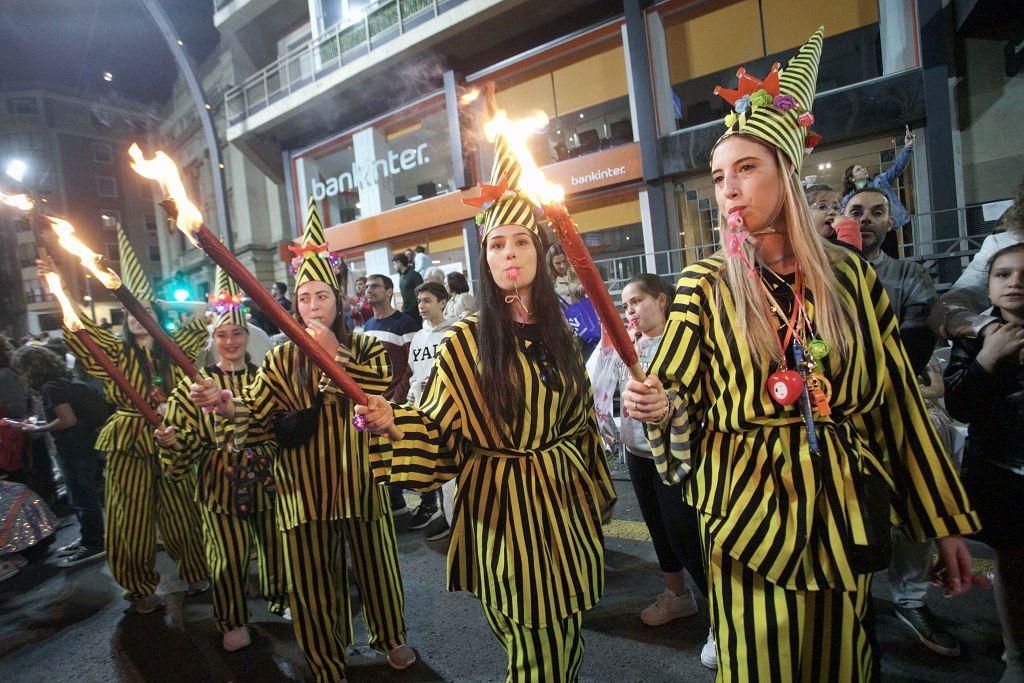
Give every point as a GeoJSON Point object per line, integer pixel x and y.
{"type": "Point", "coordinates": [324, 336]}
{"type": "Point", "coordinates": [953, 570]}
{"type": "Point", "coordinates": [645, 401]}
{"type": "Point", "coordinates": [207, 395]}
{"type": "Point", "coordinates": [1006, 343]}
{"type": "Point", "coordinates": [166, 437]}
{"type": "Point", "coordinates": [380, 417]}
{"type": "Point", "coordinates": [908, 138]}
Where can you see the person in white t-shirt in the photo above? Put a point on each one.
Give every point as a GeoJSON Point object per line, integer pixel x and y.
{"type": "Point", "coordinates": [431, 299]}
{"type": "Point", "coordinates": [421, 262]}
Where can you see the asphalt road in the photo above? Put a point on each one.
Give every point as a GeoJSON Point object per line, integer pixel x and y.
{"type": "Point", "coordinates": [71, 625]}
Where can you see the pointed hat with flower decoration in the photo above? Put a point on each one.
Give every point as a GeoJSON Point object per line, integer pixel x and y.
{"type": "Point", "coordinates": [502, 202]}
{"type": "Point", "coordinates": [226, 302]}
{"type": "Point", "coordinates": [132, 274]}
{"type": "Point", "coordinates": [311, 258]}
{"type": "Point", "coordinates": [778, 109]}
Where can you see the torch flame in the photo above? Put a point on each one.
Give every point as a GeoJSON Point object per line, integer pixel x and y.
{"type": "Point", "coordinates": [71, 318]}
{"type": "Point", "coordinates": [90, 259]}
{"type": "Point", "coordinates": [163, 170]}
{"type": "Point", "coordinates": [20, 202]}
{"type": "Point", "coordinates": [470, 96]}
{"type": "Point", "coordinates": [516, 132]}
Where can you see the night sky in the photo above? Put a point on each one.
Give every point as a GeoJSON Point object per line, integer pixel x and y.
{"type": "Point", "coordinates": [72, 42]}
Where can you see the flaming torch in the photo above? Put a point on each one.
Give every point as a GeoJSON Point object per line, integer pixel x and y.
{"type": "Point", "coordinates": [189, 220]}
{"type": "Point", "coordinates": [551, 199]}
{"type": "Point", "coordinates": [74, 324]}
{"type": "Point", "coordinates": [21, 202]}
{"type": "Point", "coordinates": [109, 279]}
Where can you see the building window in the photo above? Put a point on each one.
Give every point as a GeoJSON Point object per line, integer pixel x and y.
{"type": "Point", "coordinates": [106, 186]}
{"type": "Point", "coordinates": [22, 105]}
{"type": "Point", "coordinates": [154, 253]}
{"type": "Point", "coordinates": [102, 153]}
{"type": "Point", "coordinates": [151, 223]}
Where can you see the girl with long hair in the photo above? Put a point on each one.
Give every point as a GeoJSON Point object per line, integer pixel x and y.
{"type": "Point", "coordinates": [326, 498]}
{"type": "Point", "coordinates": [234, 486]}
{"type": "Point", "coordinates": [781, 397]}
{"type": "Point", "coordinates": [508, 413]}
{"type": "Point", "coordinates": [137, 496]}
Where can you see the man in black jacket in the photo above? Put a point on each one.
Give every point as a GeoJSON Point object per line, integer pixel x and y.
{"type": "Point", "coordinates": [408, 281]}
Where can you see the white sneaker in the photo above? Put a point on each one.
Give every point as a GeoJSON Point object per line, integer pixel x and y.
{"type": "Point", "coordinates": [236, 639]}
{"type": "Point", "coordinates": [708, 654]}
{"type": "Point", "coordinates": [287, 614]}
{"type": "Point", "coordinates": [669, 607]}
{"type": "Point", "coordinates": [148, 604]}
{"type": "Point", "coordinates": [8, 569]}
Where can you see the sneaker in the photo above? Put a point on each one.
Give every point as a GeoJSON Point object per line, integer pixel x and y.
{"type": "Point", "coordinates": [287, 614]}
{"type": "Point", "coordinates": [422, 517]}
{"type": "Point", "coordinates": [398, 507]}
{"type": "Point", "coordinates": [401, 657]}
{"type": "Point", "coordinates": [708, 654]}
{"type": "Point", "coordinates": [236, 639]}
{"type": "Point", "coordinates": [669, 607]}
{"type": "Point", "coordinates": [438, 530]}
{"type": "Point", "coordinates": [8, 569]}
{"type": "Point", "coordinates": [927, 628]}
{"type": "Point", "coordinates": [81, 556]}
{"type": "Point", "coordinates": [69, 549]}
{"type": "Point", "coordinates": [197, 587]}
{"type": "Point", "coordinates": [148, 604]}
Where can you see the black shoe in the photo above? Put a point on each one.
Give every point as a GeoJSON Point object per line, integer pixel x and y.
{"type": "Point", "coordinates": [423, 516]}
{"type": "Point", "coordinates": [81, 556]}
{"type": "Point", "coordinates": [927, 628]}
{"type": "Point", "coordinates": [69, 549]}
{"type": "Point", "coordinates": [438, 529]}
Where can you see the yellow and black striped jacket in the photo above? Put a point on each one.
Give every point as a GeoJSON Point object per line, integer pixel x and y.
{"type": "Point", "coordinates": [126, 431]}
{"type": "Point", "coordinates": [786, 514]}
{"type": "Point", "coordinates": [526, 532]}
{"type": "Point", "coordinates": [197, 435]}
{"type": "Point", "coordinates": [329, 476]}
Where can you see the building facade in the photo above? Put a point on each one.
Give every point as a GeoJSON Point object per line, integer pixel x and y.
{"type": "Point", "coordinates": [74, 150]}
{"type": "Point", "coordinates": [362, 107]}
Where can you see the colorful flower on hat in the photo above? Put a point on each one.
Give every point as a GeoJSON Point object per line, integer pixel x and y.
{"type": "Point", "coordinates": [785, 102]}
{"type": "Point", "coordinates": [761, 98]}
{"type": "Point", "coordinates": [743, 104]}
{"type": "Point", "coordinates": [730, 119]}
{"type": "Point", "coordinates": [811, 141]}
{"type": "Point", "coordinates": [806, 119]}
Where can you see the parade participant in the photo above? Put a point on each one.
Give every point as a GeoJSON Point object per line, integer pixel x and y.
{"type": "Point", "coordinates": [236, 508]}
{"type": "Point", "coordinates": [985, 388]}
{"type": "Point", "coordinates": [137, 496]}
{"type": "Point", "coordinates": [672, 523]}
{"type": "Point", "coordinates": [782, 398]}
{"type": "Point", "coordinates": [326, 495]}
{"type": "Point", "coordinates": [508, 412]}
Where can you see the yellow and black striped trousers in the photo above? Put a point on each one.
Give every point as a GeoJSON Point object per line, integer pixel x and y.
{"type": "Point", "coordinates": [229, 540]}
{"type": "Point", "coordinates": [138, 497]}
{"type": "Point", "coordinates": [318, 587]}
{"type": "Point", "coordinates": [771, 634]}
{"type": "Point", "coordinates": [553, 654]}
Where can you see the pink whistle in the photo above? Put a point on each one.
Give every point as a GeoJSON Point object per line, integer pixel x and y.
{"type": "Point", "coordinates": [735, 220]}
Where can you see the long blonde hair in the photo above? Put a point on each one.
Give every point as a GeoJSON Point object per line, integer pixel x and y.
{"type": "Point", "coordinates": [814, 258]}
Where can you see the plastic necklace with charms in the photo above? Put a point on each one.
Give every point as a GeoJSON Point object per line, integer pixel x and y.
{"type": "Point", "coordinates": [784, 385]}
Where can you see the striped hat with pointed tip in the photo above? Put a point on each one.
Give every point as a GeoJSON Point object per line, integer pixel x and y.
{"type": "Point", "coordinates": [132, 274]}
{"type": "Point", "coordinates": [311, 261]}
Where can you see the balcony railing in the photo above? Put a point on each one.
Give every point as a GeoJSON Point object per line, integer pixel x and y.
{"type": "Point", "coordinates": [345, 43]}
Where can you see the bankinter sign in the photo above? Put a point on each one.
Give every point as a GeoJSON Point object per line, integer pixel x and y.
{"type": "Point", "coordinates": [364, 175]}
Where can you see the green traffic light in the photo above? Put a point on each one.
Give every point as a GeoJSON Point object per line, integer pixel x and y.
{"type": "Point", "coordinates": [181, 294]}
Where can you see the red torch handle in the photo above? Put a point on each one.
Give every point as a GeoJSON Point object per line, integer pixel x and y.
{"type": "Point", "coordinates": [578, 256]}
{"type": "Point", "coordinates": [284, 321]}
{"type": "Point", "coordinates": [134, 307]}
{"type": "Point", "coordinates": [119, 379]}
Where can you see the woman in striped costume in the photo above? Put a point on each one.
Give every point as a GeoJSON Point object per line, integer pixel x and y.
{"type": "Point", "coordinates": [508, 412]}
{"type": "Point", "coordinates": [326, 495]}
{"type": "Point", "coordinates": [237, 511]}
{"type": "Point", "coordinates": [791, 415]}
{"type": "Point", "coordinates": [137, 496]}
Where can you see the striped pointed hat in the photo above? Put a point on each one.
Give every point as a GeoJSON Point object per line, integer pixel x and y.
{"type": "Point", "coordinates": [501, 202]}
{"type": "Point", "coordinates": [226, 302]}
{"type": "Point", "coordinates": [132, 274]}
{"type": "Point", "coordinates": [311, 258]}
{"type": "Point", "coordinates": [778, 109]}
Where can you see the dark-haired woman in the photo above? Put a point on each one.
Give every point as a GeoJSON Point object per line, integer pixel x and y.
{"type": "Point", "coordinates": [856, 177]}
{"type": "Point", "coordinates": [326, 496]}
{"type": "Point", "coordinates": [508, 412]}
{"type": "Point", "coordinates": [461, 303]}
{"type": "Point", "coordinates": [137, 496]}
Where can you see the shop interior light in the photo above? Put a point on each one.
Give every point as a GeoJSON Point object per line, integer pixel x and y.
{"type": "Point", "coordinates": [16, 169]}
{"type": "Point", "coordinates": [107, 76]}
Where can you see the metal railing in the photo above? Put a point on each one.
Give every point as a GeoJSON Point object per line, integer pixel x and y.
{"type": "Point", "coordinates": [343, 44]}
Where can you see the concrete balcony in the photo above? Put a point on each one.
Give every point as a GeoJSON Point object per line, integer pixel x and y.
{"type": "Point", "coordinates": [229, 14]}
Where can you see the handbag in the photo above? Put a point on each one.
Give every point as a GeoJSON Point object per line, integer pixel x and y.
{"type": "Point", "coordinates": [583, 320]}
{"type": "Point", "coordinates": [875, 499]}
{"type": "Point", "coordinates": [295, 428]}
{"type": "Point", "coordinates": [12, 445]}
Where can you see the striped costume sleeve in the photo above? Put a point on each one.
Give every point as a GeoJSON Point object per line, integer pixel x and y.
{"type": "Point", "coordinates": [930, 500]}
{"type": "Point", "coordinates": [184, 415]}
{"type": "Point", "coordinates": [267, 394]}
{"type": "Point", "coordinates": [677, 364]}
{"type": "Point", "coordinates": [366, 361]}
{"type": "Point", "coordinates": [108, 343]}
{"type": "Point", "coordinates": [192, 337]}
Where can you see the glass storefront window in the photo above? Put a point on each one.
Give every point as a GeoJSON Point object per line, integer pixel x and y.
{"type": "Point", "coordinates": [611, 227]}
{"type": "Point", "coordinates": [707, 41]}
{"type": "Point", "coordinates": [402, 157]}
{"type": "Point", "coordinates": [583, 88]}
